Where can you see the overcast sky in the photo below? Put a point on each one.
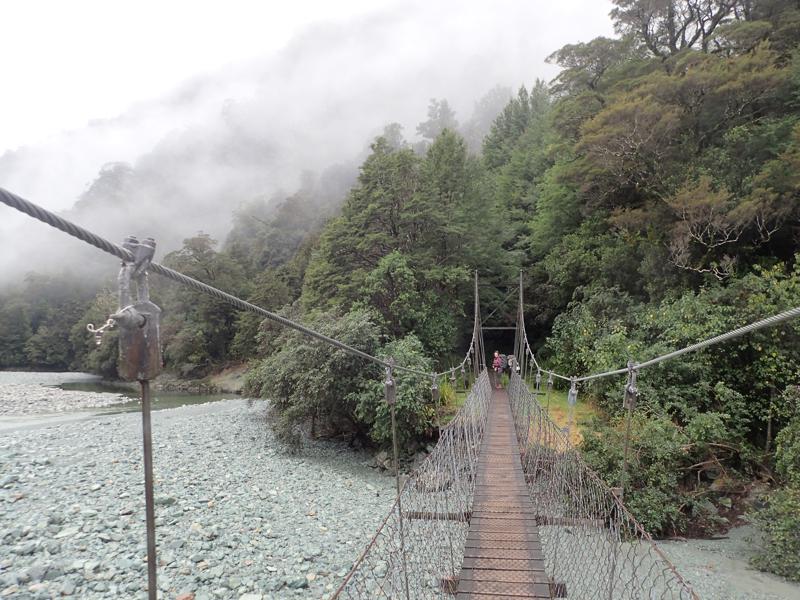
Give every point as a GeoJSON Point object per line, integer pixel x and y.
{"type": "Point", "coordinates": [224, 102]}
{"type": "Point", "coordinates": [70, 62]}
{"type": "Point", "coordinates": [66, 63]}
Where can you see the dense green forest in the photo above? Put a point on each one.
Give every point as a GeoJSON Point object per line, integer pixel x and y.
{"type": "Point", "coordinates": [649, 193]}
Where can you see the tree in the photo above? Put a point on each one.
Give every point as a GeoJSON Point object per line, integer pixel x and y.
{"type": "Point", "coordinates": [15, 329]}
{"type": "Point", "coordinates": [486, 110]}
{"type": "Point", "coordinates": [585, 65]}
{"type": "Point", "coordinates": [309, 382]}
{"type": "Point", "coordinates": [393, 134]}
{"type": "Point", "coordinates": [440, 117]}
{"type": "Point", "coordinates": [197, 329]}
{"type": "Point", "coordinates": [372, 224]}
{"type": "Point", "coordinates": [667, 27]}
{"type": "Point", "coordinates": [270, 291]}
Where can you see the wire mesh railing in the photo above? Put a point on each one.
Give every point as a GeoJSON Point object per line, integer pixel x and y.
{"type": "Point", "coordinates": [418, 549]}
{"type": "Point", "coordinates": [593, 547]}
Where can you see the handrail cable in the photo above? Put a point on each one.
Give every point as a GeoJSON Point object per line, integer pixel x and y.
{"type": "Point", "coordinates": [76, 231]}
{"type": "Point", "coordinates": [50, 218]}
{"type": "Point", "coordinates": [786, 315]}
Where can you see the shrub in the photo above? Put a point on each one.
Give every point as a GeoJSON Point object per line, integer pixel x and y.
{"type": "Point", "coordinates": [310, 382]}
{"type": "Point", "coordinates": [652, 492]}
{"type": "Point", "coordinates": [674, 473]}
{"type": "Point", "coordinates": [414, 412]}
{"type": "Point", "coordinates": [779, 522]}
{"type": "Point", "coordinates": [779, 518]}
{"type": "Point", "coordinates": [787, 453]}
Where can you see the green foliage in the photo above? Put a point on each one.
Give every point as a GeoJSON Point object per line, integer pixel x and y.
{"type": "Point", "coordinates": [415, 415]}
{"type": "Point", "coordinates": [36, 320]}
{"type": "Point", "coordinates": [447, 394]}
{"type": "Point", "coordinates": [15, 329]}
{"type": "Point", "coordinates": [787, 453]}
{"type": "Point", "coordinates": [87, 355]}
{"type": "Point", "coordinates": [674, 477]}
{"type": "Point", "coordinates": [269, 291]}
{"type": "Point", "coordinates": [408, 237]}
{"type": "Point", "coordinates": [197, 330]}
{"type": "Point", "coordinates": [440, 118]}
{"type": "Point", "coordinates": [651, 195]}
{"type": "Point", "coordinates": [309, 382]}
{"type": "Point", "coordinates": [779, 521]}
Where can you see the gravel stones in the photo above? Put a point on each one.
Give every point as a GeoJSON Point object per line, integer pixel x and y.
{"type": "Point", "coordinates": [237, 516]}
{"type": "Point", "coordinates": [19, 399]}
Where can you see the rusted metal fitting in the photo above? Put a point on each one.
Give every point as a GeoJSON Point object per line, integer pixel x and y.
{"type": "Point", "coordinates": [631, 395]}
{"type": "Point", "coordinates": [389, 386]}
{"type": "Point", "coordinates": [143, 255]}
{"type": "Point", "coordinates": [434, 389]}
{"type": "Point", "coordinates": [572, 397]}
{"type": "Point", "coordinates": [129, 318]}
{"type": "Point", "coordinates": [139, 320]}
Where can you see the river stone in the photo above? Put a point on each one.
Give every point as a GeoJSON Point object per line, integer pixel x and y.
{"type": "Point", "coordinates": [8, 480]}
{"type": "Point", "coordinates": [25, 549]}
{"type": "Point", "coordinates": [67, 588]}
{"type": "Point", "coordinates": [297, 583]}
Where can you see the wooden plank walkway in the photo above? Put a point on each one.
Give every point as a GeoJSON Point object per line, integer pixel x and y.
{"type": "Point", "coordinates": [503, 555]}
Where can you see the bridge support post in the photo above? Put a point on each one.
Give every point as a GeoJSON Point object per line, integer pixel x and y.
{"type": "Point", "coordinates": [390, 389]}
{"type": "Point", "coordinates": [149, 503]}
{"type": "Point", "coordinates": [140, 360]}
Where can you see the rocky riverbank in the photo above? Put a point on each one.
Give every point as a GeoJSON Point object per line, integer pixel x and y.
{"type": "Point", "coordinates": [236, 515]}
{"type": "Point", "coordinates": [719, 569]}
{"type": "Point", "coordinates": [25, 394]}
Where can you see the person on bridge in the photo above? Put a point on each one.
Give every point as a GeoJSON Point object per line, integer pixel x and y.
{"type": "Point", "coordinates": [497, 367]}
{"type": "Point", "coordinates": [513, 365]}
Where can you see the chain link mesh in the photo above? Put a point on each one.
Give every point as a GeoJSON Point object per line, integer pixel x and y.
{"type": "Point", "coordinates": [593, 546]}
{"type": "Point", "coordinates": [419, 555]}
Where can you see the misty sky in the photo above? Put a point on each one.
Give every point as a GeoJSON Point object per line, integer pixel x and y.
{"type": "Point", "coordinates": [227, 101]}
{"type": "Point", "coordinates": [71, 62]}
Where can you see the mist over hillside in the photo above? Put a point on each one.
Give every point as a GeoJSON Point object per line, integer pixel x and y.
{"type": "Point", "coordinates": [253, 128]}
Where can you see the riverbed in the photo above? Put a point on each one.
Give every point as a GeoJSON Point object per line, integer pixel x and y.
{"type": "Point", "coordinates": [237, 515]}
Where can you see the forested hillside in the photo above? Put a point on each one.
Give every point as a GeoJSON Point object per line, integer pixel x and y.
{"type": "Point", "coordinates": [649, 194]}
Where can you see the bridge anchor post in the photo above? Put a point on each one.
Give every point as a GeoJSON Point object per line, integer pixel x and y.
{"type": "Point", "coordinates": [140, 360]}
{"type": "Point", "coordinates": [390, 390]}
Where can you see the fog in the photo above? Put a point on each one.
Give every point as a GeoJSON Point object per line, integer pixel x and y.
{"type": "Point", "coordinates": [250, 129]}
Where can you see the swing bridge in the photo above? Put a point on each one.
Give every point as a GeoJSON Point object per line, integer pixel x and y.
{"type": "Point", "coordinates": [503, 508]}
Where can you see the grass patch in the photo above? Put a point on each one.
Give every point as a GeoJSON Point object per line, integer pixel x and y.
{"type": "Point", "coordinates": [558, 409]}
{"type": "Point", "coordinates": [451, 406]}
{"type": "Point", "coordinates": [556, 406]}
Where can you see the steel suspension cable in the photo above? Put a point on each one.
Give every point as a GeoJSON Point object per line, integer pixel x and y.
{"type": "Point", "coordinates": [76, 231]}
{"type": "Point", "coordinates": [786, 315]}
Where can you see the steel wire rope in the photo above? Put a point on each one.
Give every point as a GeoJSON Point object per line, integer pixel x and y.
{"type": "Point", "coordinates": [786, 315]}
{"type": "Point", "coordinates": [76, 231]}
{"type": "Point", "coordinates": [49, 218]}
{"type": "Point", "coordinates": [502, 303]}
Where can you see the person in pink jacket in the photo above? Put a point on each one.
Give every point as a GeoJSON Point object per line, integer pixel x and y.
{"type": "Point", "coordinates": [497, 367]}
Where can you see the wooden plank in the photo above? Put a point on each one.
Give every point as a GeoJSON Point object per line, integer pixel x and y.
{"type": "Point", "coordinates": [503, 557]}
